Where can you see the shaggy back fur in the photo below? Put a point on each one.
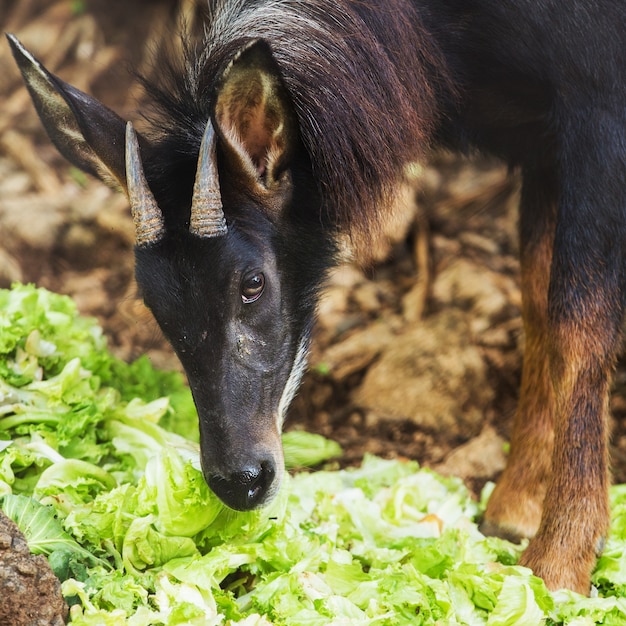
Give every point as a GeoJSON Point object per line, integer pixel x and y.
{"type": "Point", "coordinates": [361, 81]}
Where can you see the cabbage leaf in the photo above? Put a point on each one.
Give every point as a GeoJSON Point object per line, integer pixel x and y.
{"type": "Point", "coordinates": [99, 466]}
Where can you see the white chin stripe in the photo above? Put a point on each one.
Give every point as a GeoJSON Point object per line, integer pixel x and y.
{"type": "Point", "coordinates": [293, 382]}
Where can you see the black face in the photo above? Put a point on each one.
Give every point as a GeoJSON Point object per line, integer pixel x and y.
{"type": "Point", "coordinates": [222, 304]}
{"type": "Point", "coordinates": [237, 307]}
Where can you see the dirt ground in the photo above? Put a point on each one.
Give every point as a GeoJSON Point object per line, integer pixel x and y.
{"type": "Point", "coordinates": [418, 355]}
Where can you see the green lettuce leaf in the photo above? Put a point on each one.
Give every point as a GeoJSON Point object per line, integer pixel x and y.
{"type": "Point", "coordinates": [43, 531]}
{"type": "Point", "coordinates": [302, 449]}
{"type": "Point", "coordinates": [99, 466]}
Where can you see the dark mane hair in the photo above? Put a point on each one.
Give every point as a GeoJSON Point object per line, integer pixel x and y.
{"type": "Point", "coordinates": [365, 107]}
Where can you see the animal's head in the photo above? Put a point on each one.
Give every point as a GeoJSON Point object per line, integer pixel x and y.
{"type": "Point", "coordinates": [230, 265]}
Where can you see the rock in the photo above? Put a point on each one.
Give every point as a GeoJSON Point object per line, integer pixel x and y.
{"type": "Point", "coordinates": [480, 458]}
{"type": "Point", "coordinates": [432, 375]}
{"type": "Point", "coordinates": [479, 242]}
{"type": "Point", "coordinates": [30, 594]}
{"type": "Point", "coordinates": [334, 303]}
{"type": "Point", "coordinates": [34, 220]}
{"type": "Point", "coordinates": [487, 294]}
{"type": "Point", "coordinates": [15, 184]}
{"type": "Point", "coordinates": [368, 297]}
{"type": "Point", "coordinates": [357, 351]}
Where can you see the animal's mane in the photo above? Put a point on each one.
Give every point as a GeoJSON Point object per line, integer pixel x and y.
{"type": "Point", "coordinates": [357, 72]}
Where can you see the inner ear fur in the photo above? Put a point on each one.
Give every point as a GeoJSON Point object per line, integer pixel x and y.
{"type": "Point", "coordinates": [254, 114]}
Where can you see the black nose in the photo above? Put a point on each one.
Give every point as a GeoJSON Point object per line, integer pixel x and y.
{"type": "Point", "coordinates": [247, 489]}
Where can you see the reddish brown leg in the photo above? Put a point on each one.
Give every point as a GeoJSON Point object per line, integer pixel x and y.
{"type": "Point", "coordinates": [516, 505]}
{"type": "Point", "coordinates": [573, 326]}
{"type": "Point", "coordinates": [576, 511]}
{"type": "Point", "coordinates": [585, 314]}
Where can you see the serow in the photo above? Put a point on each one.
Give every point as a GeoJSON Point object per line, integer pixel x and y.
{"type": "Point", "coordinates": [287, 123]}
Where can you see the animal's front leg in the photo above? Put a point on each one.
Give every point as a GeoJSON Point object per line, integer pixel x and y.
{"type": "Point", "coordinates": [585, 312]}
{"type": "Point", "coordinates": [576, 511]}
{"type": "Point", "coordinates": [555, 486]}
{"type": "Point", "coordinates": [515, 507]}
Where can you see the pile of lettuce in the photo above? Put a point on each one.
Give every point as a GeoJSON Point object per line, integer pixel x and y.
{"type": "Point", "coordinates": [99, 468]}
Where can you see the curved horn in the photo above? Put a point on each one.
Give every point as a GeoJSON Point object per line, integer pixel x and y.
{"type": "Point", "coordinates": [147, 216]}
{"type": "Point", "coordinates": [207, 216]}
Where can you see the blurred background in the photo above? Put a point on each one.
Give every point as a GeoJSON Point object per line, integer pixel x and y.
{"type": "Point", "coordinates": [417, 353]}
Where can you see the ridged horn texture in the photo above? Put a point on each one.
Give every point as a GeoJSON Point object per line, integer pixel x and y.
{"type": "Point", "coordinates": [147, 217]}
{"type": "Point", "coordinates": [207, 215]}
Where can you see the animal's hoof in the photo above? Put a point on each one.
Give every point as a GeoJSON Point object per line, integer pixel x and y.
{"type": "Point", "coordinates": [513, 513]}
{"type": "Point", "coordinates": [493, 529]}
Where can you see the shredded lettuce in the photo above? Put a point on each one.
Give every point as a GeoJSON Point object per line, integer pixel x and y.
{"type": "Point", "coordinates": [99, 467]}
{"type": "Point", "coordinates": [304, 449]}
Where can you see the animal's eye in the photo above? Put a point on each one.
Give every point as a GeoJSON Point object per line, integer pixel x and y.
{"type": "Point", "coordinates": [252, 287]}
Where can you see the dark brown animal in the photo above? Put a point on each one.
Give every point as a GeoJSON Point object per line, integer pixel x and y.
{"type": "Point", "coordinates": [308, 112]}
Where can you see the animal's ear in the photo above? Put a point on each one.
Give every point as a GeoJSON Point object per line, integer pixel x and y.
{"type": "Point", "coordinates": [85, 132]}
{"type": "Point", "coordinates": [255, 117]}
